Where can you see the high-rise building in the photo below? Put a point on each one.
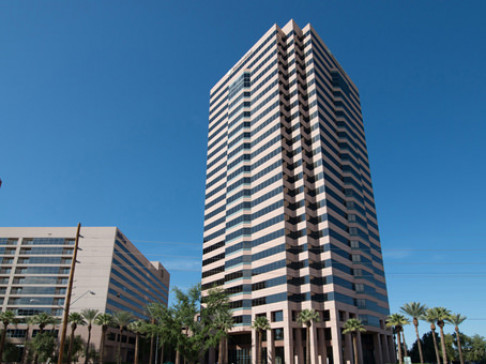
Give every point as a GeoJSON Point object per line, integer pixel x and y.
{"type": "Point", "coordinates": [110, 275]}
{"type": "Point", "coordinates": [290, 221]}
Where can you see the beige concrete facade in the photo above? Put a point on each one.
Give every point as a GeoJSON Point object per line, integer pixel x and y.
{"type": "Point", "coordinates": [110, 275]}
{"type": "Point", "coordinates": [290, 220]}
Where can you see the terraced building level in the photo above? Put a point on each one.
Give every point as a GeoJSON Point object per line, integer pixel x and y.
{"type": "Point", "coordinates": [290, 220]}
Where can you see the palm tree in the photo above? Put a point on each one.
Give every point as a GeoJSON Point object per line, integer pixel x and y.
{"type": "Point", "coordinates": [216, 316]}
{"type": "Point", "coordinates": [89, 315]}
{"type": "Point", "coordinates": [260, 324]}
{"type": "Point", "coordinates": [429, 317]}
{"type": "Point", "coordinates": [416, 310]}
{"type": "Point", "coordinates": [162, 325]}
{"type": "Point", "coordinates": [42, 320]}
{"type": "Point", "coordinates": [121, 319]}
{"type": "Point", "coordinates": [151, 314]}
{"type": "Point", "coordinates": [223, 322]}
{"type": "Point", "coordinates": [7, 318]}
{"type": "Point", "coordinates": [353, 326]}
{"type": "Point", "coordinates": [75, 319]}
{"type": "Point", "coordinates": [404, 342]}
{"type": "Point", "coordinates": [25, 355]}
{"type": "Point", "coordinates": [104, 320]}
{"type": "Point", "coordinates": [138, 328]}
{"type": "Point", "coordinates": [397, 321]}
{"type": "Point", "coordinates": [441, 316]}
{"type": "Point", "coordinates": [306, 317]}
{"type": "Point", "coordinates": [456, 320]}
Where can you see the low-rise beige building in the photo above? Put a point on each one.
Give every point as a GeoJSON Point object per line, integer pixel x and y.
{"type": "Point", "coordinates": [110, 275]}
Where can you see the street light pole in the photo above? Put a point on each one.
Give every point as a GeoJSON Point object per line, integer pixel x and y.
{"type": "Point", "coordinates": [68, 296]}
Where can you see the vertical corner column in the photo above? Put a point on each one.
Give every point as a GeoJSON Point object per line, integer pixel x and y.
{"type": "Point", "coordinates": [377, 352]}
{"type": "Point", "coordinates": [270, 347]}
{"type": "Point", "coordinates": [254, 344]}
{"type": "Point", "coordinates": [360, 349]}
{"type": "Point", "coordinates": [313, 345]}
{"type": "Point", "coordinates": [289, 345]}
{"type": "Point", "coordinates": [322, 349]}
{"type": "Point", "coordinates": [299, 354]}
{"type": "Point", "coordinates": [336, 341]}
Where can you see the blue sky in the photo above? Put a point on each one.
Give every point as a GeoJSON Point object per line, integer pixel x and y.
{"type": "Point", "coordinates": [104, 108]}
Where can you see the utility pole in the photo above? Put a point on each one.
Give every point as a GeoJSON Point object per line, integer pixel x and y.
{"type": "Point", "coordinates": [68, 296]}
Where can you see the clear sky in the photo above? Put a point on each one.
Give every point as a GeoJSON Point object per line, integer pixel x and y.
{"type": "Point", "coordinates": [104, 113]}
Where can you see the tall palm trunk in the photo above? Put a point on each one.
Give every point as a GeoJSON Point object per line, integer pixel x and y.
{"type": "Point", "coordinates": [307, 349]}
{"type": "Point", "coordinates": [436, 348]}
{"type": "Point", "coordinates": [151, 353]}
{"type": "Point", "coordinates": [25, 356]}
{"type": "Point", "coordinates": [442, 343]}
{"type": "Point", "coordinates": [2, 341]}
{"type": "Point", "coordinates": [104, 328]}
{"type": "Point", "coordinates": [225, 358]}
{"type": "Point", "coordinates": [405, 349]}
{"type": "Point", "coordinates": [355, 348]}
{"type": "Point", "coordinates": [459, 348]}
{"type": "Point", "coordinates": [70, 349]}
{"type": "Point", "coordinates": [220, 351]}
{"type": "Point", "coordinates": [119, 346]}
{"type": "Point", "coordinates": [399, 337]}
{"type": "Point", "coordinates": [419, 343]}
{"type": "Point", "coordinates": [152, 342]}
{"type": "Point", "coordinates": [86, 353]}
{"type": "Point", "coordinates": [259, 353]}
{"type": "Point", "coordinates": [41, 331]}
{"type": "Point", "coordinates": [178, 357]}
{"type": "Point", "coordinates": [137, 338]}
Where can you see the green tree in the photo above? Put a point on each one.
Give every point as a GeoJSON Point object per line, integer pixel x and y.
{"type": "Point", "coordinates": [189, 335]}
{"type": "Point", "coordinates": [428, 349]}
{"type": "Point", "coordinates": [475, 349]}
{"type": "Point", "coordinates": [456, 320]}
{"type": "Point", "coordinates": [11, 352]}
{"type": "Point", "coordinates": [104, 320]}
{"type": "Point", "coordinates": [75, 319]}
{"type": "Point", "coordinates": [137, 327]}
{"type": "Point", "coordinates": [192, 324]}
{"type": "Point", "coordinates": [451, 352]}
{"type": "Point", "coordinates": [216, 316]}
{"type": "Point", "coordinates": [260, 324]}
{"type": "Point", "coordinates": [430, 317]}
{"type": "Point", "coordinates": [43, 345]}
{"type": "Point", "coordinates": [306, 317]}
{"type": "Point", "coordinates": [89, 316]}
{"type": "Point", "coordinates": [354, 326]}
{"type": "Point", "coordinates": [77, 348]}
{"type": "Point", "coordinates": [25, 356]}
{"type": "Point", "coordinates": [223, 322]}
{"type": "Point", "coordinates": [416, 310]}
{"type": "Point", "coordinates": [397, 321]}
{"type": "Point", "coordinates": [150, 329]}
{"type": "Point", "coordinates": [441, 315]}
{"type": "Point", "coordinates": [121, 319]}
{"type": "Point", "coordinates": [161, 325]}
{"type": "Point", "coordinates": [42, 320]}
{"type": "Point", "coordinates": [7, 318]}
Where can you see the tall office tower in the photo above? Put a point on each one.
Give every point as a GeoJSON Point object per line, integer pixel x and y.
{"type": "Point", "coordinates": [290, 221]}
